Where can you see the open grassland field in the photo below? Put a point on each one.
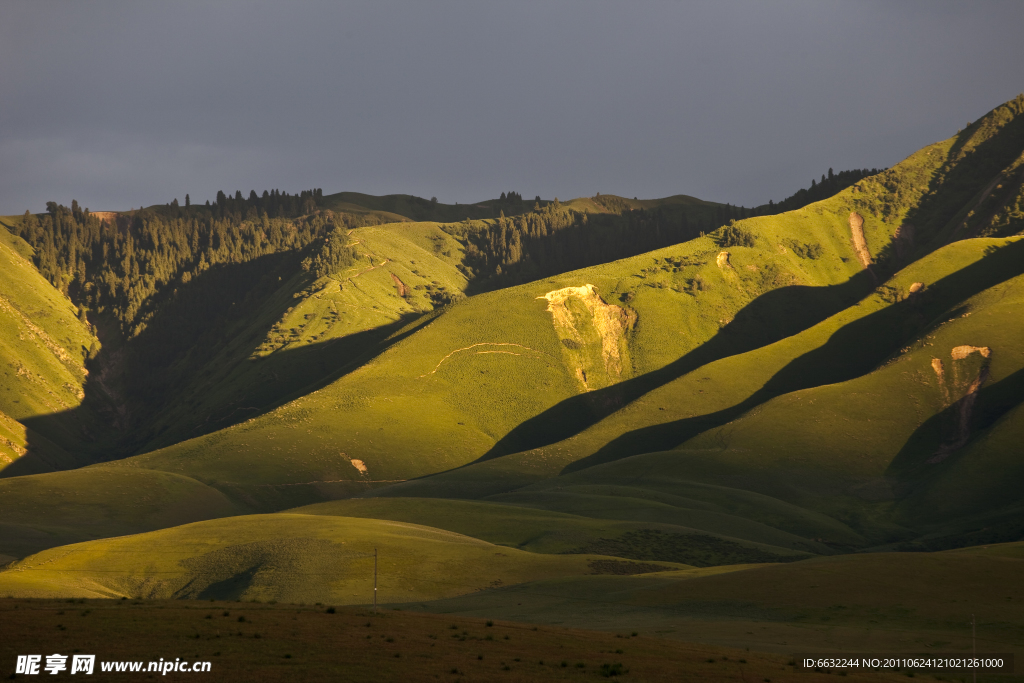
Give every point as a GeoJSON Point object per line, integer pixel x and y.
{"type": "Point", "coordinates": [279, 642]}
{"type": "Point", "coordinates": [888, 602]}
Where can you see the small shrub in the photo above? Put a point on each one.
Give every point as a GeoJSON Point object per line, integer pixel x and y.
{"type": "Point", "coordinates": [609, 670]}
{"type": "Point", "coordinates": [805, 251]}
{"type": "Point", "coordinates": [735, 236]}
{"type": "Point", "coordinates": [330, 610]}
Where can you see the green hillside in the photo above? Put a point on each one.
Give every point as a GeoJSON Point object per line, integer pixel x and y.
{"type": "Point", "coordinates": [308, 330]}
{"type": "Point", "coordinates": [852, 341]}
{"type": "Point", "coordinates": [507, 398]}
{"type": "Point", "coordinates": [44, 346]}
{"type": "Point", "coordinates": [290, 557]}
{"type": "Point", "coordinates": [46, 510]}
{"type": "Point", "coordinates": [559, 338]}
{"type": "Point", "coordinates": [779, 440]}
{"type": "Point", "coordinates": [546, 531]}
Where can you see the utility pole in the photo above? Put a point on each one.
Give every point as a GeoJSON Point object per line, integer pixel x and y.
{"type": "Point", "coordinates": [375, 581]}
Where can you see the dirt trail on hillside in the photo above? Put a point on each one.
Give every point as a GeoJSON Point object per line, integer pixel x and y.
{"type": "Point", "coordinates": [473, 346]}
{"type": "Point", "coordinates": [372, 267]}
{"type": "Point", "coordinates": [403, 290]}
{"type": "Point", "coordinates": [860, 245]}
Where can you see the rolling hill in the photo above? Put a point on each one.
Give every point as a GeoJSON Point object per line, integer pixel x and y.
{"type": "Point", "coordinates": [596, 412]}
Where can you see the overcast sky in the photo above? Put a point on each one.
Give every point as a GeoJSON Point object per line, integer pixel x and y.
{"type": "Point", "coordinates": [119, 104]}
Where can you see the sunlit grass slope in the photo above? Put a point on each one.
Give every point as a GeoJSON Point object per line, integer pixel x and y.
{"type": "Point", "coordinates": [851, 342]}
{"type": "Point", "coordinates": [447, 394]}
{"type": "Point", "coordinates": [546, 531]}
{"type": "Point", "coordinates": [46, 510]}
{"type": "Point", "coordinates": [308, 330]}
{"type": "Point", "coordinates": [43, 349]}
{"type": "Point", "coordinates": [287, 557]}
{"type": "Point", "coordinates": [848, 447]}
{"type": "Point", "coordinates": [473, 381]}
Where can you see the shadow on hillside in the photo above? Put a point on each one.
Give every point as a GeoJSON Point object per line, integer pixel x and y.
{"type": "Point", "coordinates": [854, 350]}
{"type": "Point", "coordinates": [774, 315]}
{"type": "Point", "coordinates": [910, 468]}
{"type": "Point", "coordinates": [192, 371]}
{"type": "Point", "coordinates": [950, 195]}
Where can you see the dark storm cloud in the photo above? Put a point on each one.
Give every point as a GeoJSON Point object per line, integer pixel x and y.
{"type": "Point", "coordinates": [119, 104]}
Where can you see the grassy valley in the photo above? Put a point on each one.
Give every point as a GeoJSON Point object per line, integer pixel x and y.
{"type": "Point", "coordinates": [744, 428]}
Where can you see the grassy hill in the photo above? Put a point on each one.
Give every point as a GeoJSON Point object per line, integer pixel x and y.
{"type": "Point", "coordinates": [294, 558]}
{"type": "Point", "coordinates": [779, 440]}
{"type": "Point", "coordinates": [763, 408]}
{"type": "Point", "coordinates": [519, 525]}
{"type": "Point", "coordinates": [46, 510]}
{"type": "Point", "coordinates": [44, 346]}
{"type": "Point", "coordinates": [557, 337]}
